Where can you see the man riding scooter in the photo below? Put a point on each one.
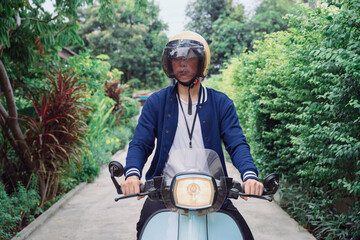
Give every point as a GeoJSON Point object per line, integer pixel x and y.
{"type": "Point", "coordinates": [187, 115]}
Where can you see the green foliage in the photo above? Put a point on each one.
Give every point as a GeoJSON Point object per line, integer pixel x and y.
{"type": "Point", "coordinates": [130, 110]}
{"type": "Point", "coordinates": [269, 17]}
{"type": "Point", "coordinates": [109, 129]}
{"type": "Point", "coordinates": [221, 24]}
{"type": "Point", "coordinates": [203, 14]}
{"type": "Point", "coordinates": [30, 38]}
{"type": "Point", "coordinates": [107, 133]}
{"type": "Point", "coordinates": [17, 209]}
{"type": "Point", "coordinates": [99, 119]}
{"type": "Point", "coordinates": [228, 32]}
{"type": "Point", "coordinates": [71, 175]}
{"type": "Point", "coordinates": [110, 132]}
{"type": "Point", "coordinates": [6, 23]}
{"type": "Point", "coordinates": [297, 97]}
{"type": "Point", "coordinates": [133, 42]}
{"type": "Point", "coordinates": [325, 223]}
{"type": "Point", "coordinates": [52, 108]}
{"type": "Point", "coordinates": [57, 133]}
{"type": "Point", "coordinates": [89, 168]}
{"type": "Point", "coordinates": [94, 71]}
{"type": "Point", "coordinates": [29, 31]}
{"type": "Point", "coordinates": [113, 140]}
{"type": "Point", "coordinates": [229, 38]}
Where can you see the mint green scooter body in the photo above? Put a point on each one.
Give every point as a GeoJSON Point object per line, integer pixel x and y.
{"type": "Point", "coordinates": [168, 225]}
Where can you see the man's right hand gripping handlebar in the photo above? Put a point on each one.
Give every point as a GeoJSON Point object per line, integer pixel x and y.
{"type": "Point", "coordinates": [132, 186]}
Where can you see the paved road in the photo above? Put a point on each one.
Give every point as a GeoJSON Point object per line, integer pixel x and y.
{"type": "Point", "coordinates": [92, 214]}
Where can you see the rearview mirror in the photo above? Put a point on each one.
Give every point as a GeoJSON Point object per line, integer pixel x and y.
{"type": "Point", "coordinates": [271, 183]}
{"type": "Point", "coordinates": [116, 169]}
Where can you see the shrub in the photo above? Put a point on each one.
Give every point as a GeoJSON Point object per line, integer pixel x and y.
{"type": "Point", "coordinates": [57, 134]}
{"type": "Point", "coordinates": [110, 132]}
{"type": "Point", "coordinates": [298, 98]}
{"type": "Point", "coordinates": [17, 209]}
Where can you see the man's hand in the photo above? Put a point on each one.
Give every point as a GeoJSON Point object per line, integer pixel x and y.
{"type": "Point", "coordinates": [131, 185]}
{"type": "Point", "coordinates": [252, 186]}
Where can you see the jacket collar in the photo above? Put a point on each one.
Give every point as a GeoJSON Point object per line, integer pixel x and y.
{"type": "Point", "coordinates": [203, 96]}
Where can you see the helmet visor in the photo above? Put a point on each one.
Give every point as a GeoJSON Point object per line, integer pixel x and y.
{"type": "Point", "coordinates": [182, 49]}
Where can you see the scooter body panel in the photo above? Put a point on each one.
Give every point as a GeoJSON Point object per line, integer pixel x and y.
{"type": "Point", "coordinates": [222, 226]}
{"type": "Point", "coordinates": [162, 225]}
{"type": "Point", "coordinates": [168, 225]}
{"type": "Point", "coordinates": [192, 226]}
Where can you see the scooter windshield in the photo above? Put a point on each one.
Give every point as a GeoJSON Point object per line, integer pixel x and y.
{"type": "Point", "coordinates": [193, 160]}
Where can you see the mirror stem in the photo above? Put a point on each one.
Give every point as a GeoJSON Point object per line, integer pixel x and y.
{"type": "Point", "coordinates": [117, 186]}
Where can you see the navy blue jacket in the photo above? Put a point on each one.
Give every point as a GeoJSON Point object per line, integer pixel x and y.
{"type": "Point", "coordinates": [159, 117]}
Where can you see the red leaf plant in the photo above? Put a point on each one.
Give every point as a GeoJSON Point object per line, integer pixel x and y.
{"type": "Point", "coordinates": [114, 89]}
{"type": "Point", "coordinates": [56, 135]}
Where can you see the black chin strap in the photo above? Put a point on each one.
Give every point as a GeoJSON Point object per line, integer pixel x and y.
{"type": "Point", "coordinates": [190, 84]}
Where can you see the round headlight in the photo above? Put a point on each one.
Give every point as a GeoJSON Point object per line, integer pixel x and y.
{"type": "Point", "coordinates": [193, 191]}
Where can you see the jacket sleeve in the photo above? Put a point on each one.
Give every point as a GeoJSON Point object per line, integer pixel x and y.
{"type": "Point", "coordinates": [142, 143]}
{"type": "Point", "coordinates": [235, 141]}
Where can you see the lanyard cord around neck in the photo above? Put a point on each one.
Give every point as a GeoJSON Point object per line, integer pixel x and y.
{"type": "Point", "coordinates": [190, 133]}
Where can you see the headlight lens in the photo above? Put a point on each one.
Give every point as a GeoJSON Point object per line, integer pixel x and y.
{"type": "Point", "coordinates": [193, 191]}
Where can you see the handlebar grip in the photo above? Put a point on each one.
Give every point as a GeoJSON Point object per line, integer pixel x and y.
{"type": "Point", "coordinates": [241, 189]}
{"type": "Point", "coordinates": [238, 186]}
{"type": "Point", "coordinates": [142, 188]}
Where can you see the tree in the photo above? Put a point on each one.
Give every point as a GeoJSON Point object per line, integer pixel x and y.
{"type": "Point", "coordinates": [28, 35]}
{"type": "Point", "coordinates": [221, 24]}
{"type": "Point", "coordinates": [268, 18]}
{"type": "Point", "coordinates": [134, 41]}
{"type": "Point", "coordinates": [228, 32]}
{"type": "Point", "coordinates": [228, 38]}
{"type": "Point", "coordinates": [203, 14]}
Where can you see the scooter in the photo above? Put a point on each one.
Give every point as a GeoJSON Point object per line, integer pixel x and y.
{"type": "Point", "coordinates": [193, 187]}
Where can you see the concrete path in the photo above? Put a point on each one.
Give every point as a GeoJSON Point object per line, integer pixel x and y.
{"type": "Point", "coordinates": [93, 214]}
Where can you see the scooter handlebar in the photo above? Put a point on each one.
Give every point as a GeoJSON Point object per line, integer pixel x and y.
{"type": "Point", "coordinates": [270, 187]}
{"type": "Point", "coordinates": [150, 188]}
{"type": "Point", "coordinates": [143, 192]}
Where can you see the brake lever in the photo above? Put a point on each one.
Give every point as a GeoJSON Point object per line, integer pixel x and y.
{"type": "Point", "coordinates": [132, 195]}
{"type": "Point", "coordinates": [256, 196]}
